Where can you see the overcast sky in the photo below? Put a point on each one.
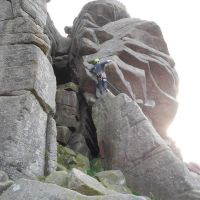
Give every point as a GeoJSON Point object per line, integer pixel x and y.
{"type": "Point", "coordinates": [179, 22]}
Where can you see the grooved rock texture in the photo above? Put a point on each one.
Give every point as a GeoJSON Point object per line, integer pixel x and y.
{"type": "Point", "coordinates": [27, 91]}
{"type": "Point", "coordinates": [142, 67]}
{"type": "Point", "coordinates": [128, 141]}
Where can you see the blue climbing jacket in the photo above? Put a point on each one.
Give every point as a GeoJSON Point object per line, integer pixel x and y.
{"type": "Point", "coordinates": [99, 67]}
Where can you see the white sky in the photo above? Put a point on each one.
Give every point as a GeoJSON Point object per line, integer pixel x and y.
{"type": "Point", "coordinates": [179, 21]}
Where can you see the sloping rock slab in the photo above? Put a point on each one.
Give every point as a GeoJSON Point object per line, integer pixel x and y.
{"type": "Point", "coordinates": [85, 184]}
{"type": "Point", "coordinates": [128, 142]}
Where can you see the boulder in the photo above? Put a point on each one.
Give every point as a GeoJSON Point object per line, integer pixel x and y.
{"type": "Point", "coordinates": [67, 109]}
{"type": "Point", "coordinates": [63, 134]}
{"type": "Point", "coordinates": [113, 180]}
{"type": "Point", "coordinates": [88, 47]}
{"type": "Point", "coordinates": [32, 190]}
{"type": "Point", "coordinates": [142, 67]}
{"type": "Point", "coordinates": [85, 184]}
{"type": "Point", "coordinates": [25, 67]}
{"type": "Point", "coordinates": [66, 116]}
{"type": "Point", "coordinates": [23, 135]}
{"type": "Point", "coordinates": [128, 142]}
{"type": "Point", "coordinates": [69, 159]}
{"type": "Point", "coordinates": [59, 178]}
{"type": "Point", "coordinates": [68, 98]}
{"type": "Point", "coordinates": [78, 144]}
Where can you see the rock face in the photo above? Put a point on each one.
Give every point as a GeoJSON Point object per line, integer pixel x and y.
{"type": "Point", "coordinates": [142, 67]}
{"type": "Point", "coordinates": [128, 141]}
{"type": "Point", "coordinates": [128, 133]}
{"type": "Point", "coordinates": [27, 92]}
{"type": "Point", "coordinates": [31, 190]}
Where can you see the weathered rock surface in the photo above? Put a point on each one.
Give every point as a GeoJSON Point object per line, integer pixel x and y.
{"type": "Point", "coordinates": [113, 180]}
{"type": "Point", "coordinates": [36, 10]}
{"type": "Point", "coordinates": [25, 67]}
{"type": "Point", "coordinates": [59, 178]}
{"type": "Point", "coordinates": [27, 91]}
{"type": "Point", "coordinates": [67, 109]}
{"type": "Point", "coordinates": [23, 136]}
{"type": "Point", "coordinates": [63, 134]}
{"type": "Point", "coordinates": [51, 146]}
{"type": "Point", "coordinates": [142, 67]}
{"type": "Point", "coordinates": [85, 184]}
{"type": "Point", "coordinates": [32, 190]}
{"type": "Point", "coordinates": [128, 141]}
{"type": "Point", "coordinates": [69, 159]}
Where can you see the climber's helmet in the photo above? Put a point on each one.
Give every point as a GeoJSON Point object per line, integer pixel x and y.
{"type": "Point", "coordinates": [95, 61]}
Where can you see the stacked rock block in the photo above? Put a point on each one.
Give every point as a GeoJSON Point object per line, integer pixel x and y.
{"type": "Point", "coordinates": [68, 120]}
{"type": "Point", "coordinates": [27, 92]}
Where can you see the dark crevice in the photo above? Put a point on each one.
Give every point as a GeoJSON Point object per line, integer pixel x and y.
{"type": "Point", "coordinates": [87, 128]}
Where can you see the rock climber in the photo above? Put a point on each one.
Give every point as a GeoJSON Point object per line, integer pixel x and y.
{"type": "Point", "coordinates": [99, 70]}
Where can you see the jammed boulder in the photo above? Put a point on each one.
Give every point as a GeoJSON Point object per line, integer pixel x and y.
{"type": "Point", "coordinates": [128, 141]}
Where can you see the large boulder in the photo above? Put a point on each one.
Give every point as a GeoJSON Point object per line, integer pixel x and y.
{"type": "Point", "coordinates": [113, 180]}
{"type": "Point", "coordinates": [85, 184]}
{"type": "Point", "coordinates": [142, 67]}
{"type": "Point", "coordinates": [32, 190]}
{"type": "Point", "coordinates": [27, 91]}
{"type": "Point", "coordinates": [128, 141]}
{"type": "Point", "coordinates": [25, 67]}
{"type": "Point", "coordinates": [23, 121]}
